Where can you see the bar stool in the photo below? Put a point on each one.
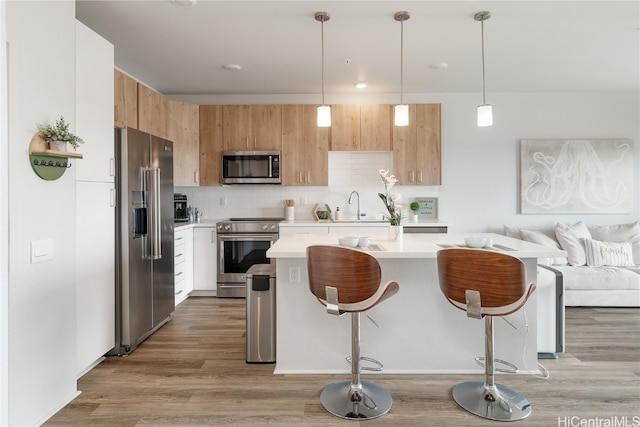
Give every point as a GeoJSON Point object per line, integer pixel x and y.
{"type": "Point", "coordinates": [348, 281]}
{"type": "Point", "coordinates": [486, 284]}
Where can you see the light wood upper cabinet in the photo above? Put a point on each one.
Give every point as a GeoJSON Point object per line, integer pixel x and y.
{"type": "Point", "coordinates": [125, 100]}
{"type": "Point", "coordinates": [152, 112]}
{"type": "Point", "coordinates": [252, 127]}
{"type": "Point", "coordinates": [183, 130]}
{"type": "Point", "coordinates": [211, 144]}
{"type": "Point", "coordinates": [417, 148]}
{"type": "Point", "coordinates": [305, 147]}
{"type": "Point", "coordinates": [361, 127]}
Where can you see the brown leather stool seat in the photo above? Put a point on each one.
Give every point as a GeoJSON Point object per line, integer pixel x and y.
{"type": "Point", "coordinates": [348, 281]}
{"type": "Point", "coordinates": [486, 284]}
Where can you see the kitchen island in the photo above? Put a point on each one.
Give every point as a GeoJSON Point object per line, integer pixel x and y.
{"type": "Point", "coordinates": [418, 330]}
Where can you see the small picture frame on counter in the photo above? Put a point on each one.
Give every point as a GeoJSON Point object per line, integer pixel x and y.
{"type": "Point", "coordinates": [428, 207]}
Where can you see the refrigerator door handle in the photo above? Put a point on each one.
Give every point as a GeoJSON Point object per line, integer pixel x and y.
{"type": "Point", "coordinates": [153, 191]}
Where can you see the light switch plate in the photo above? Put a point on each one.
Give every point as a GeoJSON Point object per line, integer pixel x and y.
{"type": "Point", "coordinates": [42, 250]}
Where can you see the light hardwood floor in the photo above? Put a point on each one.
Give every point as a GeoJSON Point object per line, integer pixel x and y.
{"type": "Point", "coordinates": [192, 372]}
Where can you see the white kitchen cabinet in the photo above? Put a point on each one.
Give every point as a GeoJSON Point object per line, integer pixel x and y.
{"type": "Point", "coordinates": [204, 259]}
{"type": "Point", "coordinates": [94, 106]}
{"type": "Point", "coordinates": [95, 271]}
{"type": "Point", "coordinates": [95, 199]}
{"type": "Point", "coordinates": [303, 229]}
{"type": "Point", "coordinates": [359, 230]}
{"type": "Point", "coordinates": [183, 264]}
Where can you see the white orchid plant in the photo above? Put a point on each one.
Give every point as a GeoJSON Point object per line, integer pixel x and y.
{"type": "Point", "coordinates": [391, 201]}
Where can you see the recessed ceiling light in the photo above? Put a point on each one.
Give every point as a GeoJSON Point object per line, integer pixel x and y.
{"type": "Point", "coordinates": [361, 85]}
{"type": "Point", "coordinates": [232, 67]}
{"type": "Point", "coordinates": [439, 66]}
{"type": "Point", "coordinates": [184, 3]}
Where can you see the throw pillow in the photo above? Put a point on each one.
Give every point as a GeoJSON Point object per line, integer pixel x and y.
{"type": "Point", "coordinates": [569, 238]}
{"type": "Point", "coordinates": [620, 233]}
{"type": "Point", "coordinates": [608, 253]}
{"type": "Point", "coordinates": [513, 232]}
{"type": "Point", "coordinates": [542, 238]}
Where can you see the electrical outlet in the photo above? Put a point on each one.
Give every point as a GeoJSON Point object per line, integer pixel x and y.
{"type": "Point", "coordinates": [223, 201]}
{"type": "Point", "coordinates": [294, 274]}
{"type": "Point", "coordinates": [303, 200]}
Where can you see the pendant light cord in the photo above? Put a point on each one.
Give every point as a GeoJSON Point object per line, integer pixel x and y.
{"type": "Point", "coordinates": [401, 61]}
{"type": "Point", "coordinates": [322, 44]}
{"type": "Point", "coordinates": [484, 101]}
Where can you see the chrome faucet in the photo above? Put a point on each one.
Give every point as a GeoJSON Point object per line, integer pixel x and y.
{"type": "Point", "coordinates": [350, 196]}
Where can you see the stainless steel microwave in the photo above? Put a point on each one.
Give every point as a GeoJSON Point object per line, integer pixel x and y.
{"type": "Point", "coordinates": [251, 167]}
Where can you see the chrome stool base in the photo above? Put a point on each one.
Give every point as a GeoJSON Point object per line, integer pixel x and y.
{"type": "Point", "coordinates": [374, 401]}
{"type": "Point", "coordinates": [476, 397]}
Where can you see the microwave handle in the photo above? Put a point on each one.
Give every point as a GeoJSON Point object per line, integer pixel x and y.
{"type": "Point", "coordinates": [270, 166]}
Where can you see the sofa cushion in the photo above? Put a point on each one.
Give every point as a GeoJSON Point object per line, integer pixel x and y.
{"type": "Point", "coordinates": [619, 233]}
{"type": "Point", "coordinates": [608, 253]}
{"type": "Point", "coordinates": [544, 238]}
{"type": "Point", "coordinates": [569, 237]}
{"type": "Point", "coordinates": [599, 278]}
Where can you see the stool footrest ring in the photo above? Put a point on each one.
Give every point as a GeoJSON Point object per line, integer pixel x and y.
{"type": "Point", "coordinates": [379, 366]}
{"type": "Point", "coordinates": [513, 369]}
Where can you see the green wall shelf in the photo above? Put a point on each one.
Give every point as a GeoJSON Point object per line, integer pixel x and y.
{"type": "Point", "coordinates": [49, 164]}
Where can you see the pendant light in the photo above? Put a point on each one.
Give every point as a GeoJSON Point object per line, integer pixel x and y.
{"type": "Point", "coordinates": [324, 111]}
{"type": "Point", "coordinates": [401, 111]}
{"type": "Point", "coordinates": [485, 111]}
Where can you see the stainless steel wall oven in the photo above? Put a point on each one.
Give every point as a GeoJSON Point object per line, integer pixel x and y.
{"type": "Point", "coordinates": [243, 243]}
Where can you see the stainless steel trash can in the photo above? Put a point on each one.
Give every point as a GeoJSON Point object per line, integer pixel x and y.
{"type": "Point", "coordinates": [261, 314]}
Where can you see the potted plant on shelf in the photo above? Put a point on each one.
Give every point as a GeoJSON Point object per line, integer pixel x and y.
{"type": "Point", "coordinates": [58, 135]}
{"type": "Point", "coordinates": [415, 207]}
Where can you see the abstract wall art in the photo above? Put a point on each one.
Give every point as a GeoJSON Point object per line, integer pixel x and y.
{"type": "Point", "coordinates": [576, 176]}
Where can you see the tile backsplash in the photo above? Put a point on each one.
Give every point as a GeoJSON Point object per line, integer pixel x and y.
{"type": "Point", "coordinates": [348, 171]}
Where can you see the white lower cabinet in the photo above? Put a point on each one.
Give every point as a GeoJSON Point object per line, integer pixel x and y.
{"type": "Point", "coordinates": [359, 230]}
{"type": "Point", "coordinates": [183, 267]}
{"type": "Point", "coordinates": [204, 259]}
{"type": "Point", "coordinates": [303, 229]}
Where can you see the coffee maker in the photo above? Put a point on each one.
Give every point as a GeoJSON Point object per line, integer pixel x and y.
{"type": "Point", "coordinates": [180, 211]}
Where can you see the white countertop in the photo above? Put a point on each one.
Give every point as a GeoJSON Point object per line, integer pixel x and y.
{"type": "Point", "coordinates": [354, 222]}
{"type": "Point", "coordinates": [177, 226]}
{"type": "Point", "coordinates": [412, 246]}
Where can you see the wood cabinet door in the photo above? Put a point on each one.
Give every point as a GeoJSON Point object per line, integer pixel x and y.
{"type": "Point", "coordinates": [183, 130]}
{"type": "Point", "coordinates": [292, 163]}
{"type": "Point", "coordinates": [376, 121]}
{"type": "Point", "coordinates": [266, 127]}
{"type": "Point", "coordinates": [211, 144]}
{"type": "Point", "coordinates": [236, 127]}
{"type": "Point", "coordinates": [316, 149]}
{"type": "Point", "coordinates": [152, 111]}
{"type": "Point", "coordinates": [345, 127]}
{"type": "Point", "coordinates": [125, 100]}
{"type": "Point", "coordinates": [404, 150]}
{"type": "Point", "coordinates": [428, 148]}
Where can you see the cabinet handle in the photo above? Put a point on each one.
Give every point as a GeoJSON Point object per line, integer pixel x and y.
{"type": "Point", "coordinates": [179, 273]}
{"type": "Point", "coordinates": [196, 177]}
{"type": "Point", "coordinates": [308, 177]}
{"type": "Point", "coordinates": [213, 236]}
{"type": "Point", "coordinates": [247, 141]}
{"type": "Point", "coordinates": [179, 255]}
{"type": "Point", "coordinates": [112, 196]}
{"type": "Point", "coordinates": [112, 167]}
{"type": "Point", "coordinates": [413, 176]}
{"type": "Point", "coordinates": [115, 113]}
{"type": "Point", "coordinates": [300, 177]}
{"type": "Point", "coordinates": [420, 176]}
{"type": "Point", "coordinates": [179, 292]}
{"type": "Point", "coordinates": [178, 238]}
{"type": "Point", "coordinates": [255, 142]}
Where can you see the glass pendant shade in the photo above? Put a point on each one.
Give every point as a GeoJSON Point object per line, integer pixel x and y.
{"type": "Point", "coordinates": [401, 115]}
{"type": "Point", "coordinates": [324, 116]}
{"type": "Point", "coordinates": [485, 115]}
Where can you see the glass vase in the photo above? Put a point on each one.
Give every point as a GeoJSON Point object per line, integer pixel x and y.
{"type": "Point", "coordinates": [395, 233]}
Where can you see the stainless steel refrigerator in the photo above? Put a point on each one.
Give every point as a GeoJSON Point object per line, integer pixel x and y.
{"type": "Point", "coordinates": [144, 237]}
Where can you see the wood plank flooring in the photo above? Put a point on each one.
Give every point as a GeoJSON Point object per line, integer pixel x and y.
{"type": "Point", "coordinates": [192, 372]}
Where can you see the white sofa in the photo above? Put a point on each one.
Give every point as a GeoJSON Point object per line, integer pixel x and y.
{"type": "Point", "coordinates": [602, 268]}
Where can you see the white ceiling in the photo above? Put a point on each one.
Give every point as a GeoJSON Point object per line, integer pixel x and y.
{"type": "Point", "coordinates": [530, 46]}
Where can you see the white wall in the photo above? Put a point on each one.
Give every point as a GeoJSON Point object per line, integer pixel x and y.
{"type": "Point", "coordinates": [41, 334]}
{"type": "Point", "coordinates": [480, 166]}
